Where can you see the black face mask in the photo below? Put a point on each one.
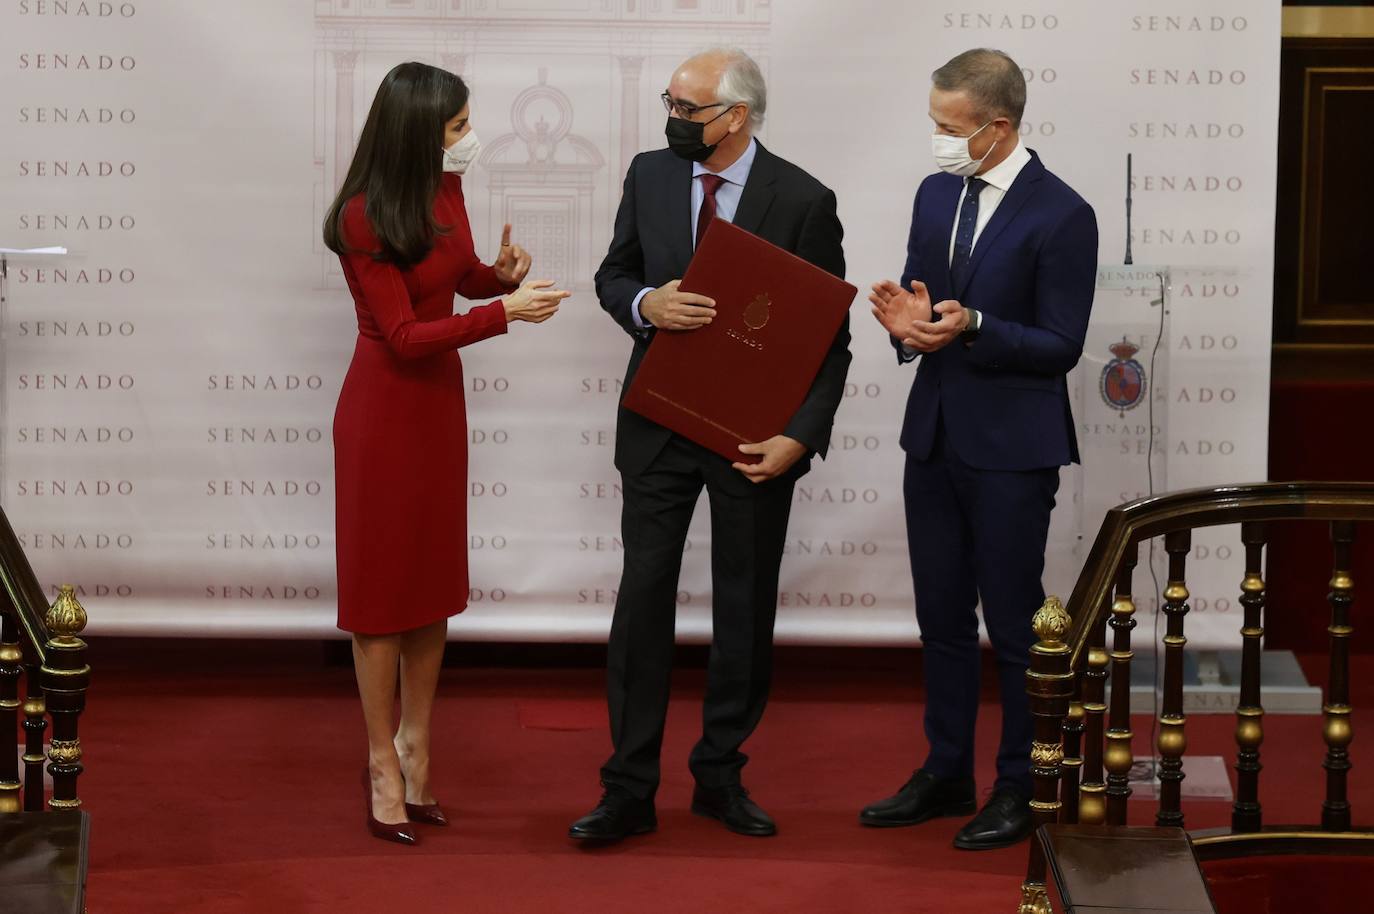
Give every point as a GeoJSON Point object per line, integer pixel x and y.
{"type": "Point", "coordinates": [685, 137]}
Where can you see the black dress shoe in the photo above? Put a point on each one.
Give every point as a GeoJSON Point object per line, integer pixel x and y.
{"type": "Point", "coordinates": [923, 797]}
{"type": "Point", "coordinates": [732, 806]}
{"type": "Point", "coordinates": [1005, 820]}
{"type": "Point", "coordinates": [617, 816]}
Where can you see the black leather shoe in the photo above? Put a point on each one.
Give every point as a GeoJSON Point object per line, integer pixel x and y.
{"type": "Point", "coordinates": [1005, 820]}
{"type": "Point", "coordinates": [617, 816]}
{"type": "Point", "coordinates": [732, 806]}
{"type": "Point", "coordinates": [923, 797]}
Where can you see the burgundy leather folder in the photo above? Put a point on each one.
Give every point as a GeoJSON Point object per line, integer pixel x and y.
{"type": "Point", "coordinates": [741, 378]}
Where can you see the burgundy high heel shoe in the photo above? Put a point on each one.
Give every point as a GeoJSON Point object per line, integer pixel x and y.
{"type": "Point", "coordinates": [399, 833]}
{"type": "Point", "coordinates": [429, 814]}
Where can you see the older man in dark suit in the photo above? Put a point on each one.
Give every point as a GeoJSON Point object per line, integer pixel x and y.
{"type": "Point", "coordinates": [713, 168]}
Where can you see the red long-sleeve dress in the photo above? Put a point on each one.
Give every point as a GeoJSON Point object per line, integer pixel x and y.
{"type": "Point", "coordinates": [400, 428]}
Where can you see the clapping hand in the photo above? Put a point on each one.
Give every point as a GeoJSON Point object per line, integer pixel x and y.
{"type": "Point", "coordinates": [925, 336]}
{"type": "Point", "coordinates": [513, 263]}
{"type": "Point", "coordinates": [897, 309]}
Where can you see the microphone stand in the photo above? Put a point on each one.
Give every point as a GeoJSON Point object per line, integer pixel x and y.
{"type": "Point", "coordinates": [1129, 259]}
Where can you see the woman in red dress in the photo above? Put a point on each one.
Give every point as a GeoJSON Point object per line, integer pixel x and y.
{"type": "Point", "coordinates": [401, 231]}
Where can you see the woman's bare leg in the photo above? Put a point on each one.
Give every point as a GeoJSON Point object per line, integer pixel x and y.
{"type": "Point", "coordinates": [375, 661]}
{"type": "Point", "coordinates": [422, 654]}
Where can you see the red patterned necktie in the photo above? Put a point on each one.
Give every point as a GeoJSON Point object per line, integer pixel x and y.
{"type": "Point", "coordinates": [709, 185]}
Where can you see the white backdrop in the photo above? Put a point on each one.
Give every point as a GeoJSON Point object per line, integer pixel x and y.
{"type": "Point", "coordinates": [168, 388]}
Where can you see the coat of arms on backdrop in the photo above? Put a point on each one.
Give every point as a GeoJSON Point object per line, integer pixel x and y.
{"type": "Point", "coordinates": [1123, 378]}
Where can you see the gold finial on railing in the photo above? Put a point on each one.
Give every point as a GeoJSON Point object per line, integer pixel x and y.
{"type": "Point", "coordinates": [1051, 621]}
{"type": "Point", "coordinates": [66, 617]}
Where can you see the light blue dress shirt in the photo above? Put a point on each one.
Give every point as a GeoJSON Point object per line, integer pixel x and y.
{"type": "Point", "coordinates": [727, 201]}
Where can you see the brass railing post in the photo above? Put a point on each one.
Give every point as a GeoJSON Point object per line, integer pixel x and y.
{"type": "Point", "coordinates": [1072, 766]}
{"type": "Point", "coordinates": [1336, 729]}
{"type": "Point", "coordinates": [1172, 734]}
{"type": "Point", "coordinates": [65, 678]}
{"type": "Point", "coordinates": [1118, 756]}
{"type": "Point", "coordinates": [1092, 800]}
{"type": "Point", "coordinates": [11, 668]}
{"type": "Point", "coordinates": [35, 723]}
{"type": "Point", "coordinates": [1049, 684]}
{"type": "Point", "coordinates": [1245, 814]}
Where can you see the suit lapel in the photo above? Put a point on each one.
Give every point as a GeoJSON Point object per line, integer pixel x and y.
{"type": "Point", "coordinates": [1021, 190]}
{"type": "Point", "coordinates": [758, 191]}
{"type": "Point", "coordinates": [680, 212]}
{"type": "Point", "coordinates": [943, 212]}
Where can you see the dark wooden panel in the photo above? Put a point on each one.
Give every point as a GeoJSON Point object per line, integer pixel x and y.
{"type": "Point", "coordinates": [1324, 247]}
{"type": "Point", "coordinates": [1335, 291]}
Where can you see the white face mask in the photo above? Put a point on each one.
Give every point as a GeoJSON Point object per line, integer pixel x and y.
{"type": "Point", "coordinates": [463, 153]}
{"type": "Point", "coordinates": [952, 155]}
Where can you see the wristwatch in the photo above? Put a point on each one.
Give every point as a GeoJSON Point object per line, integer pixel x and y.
{"type": "Point", "coordinates": [975, 323]}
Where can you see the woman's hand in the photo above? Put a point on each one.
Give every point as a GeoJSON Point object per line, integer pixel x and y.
{"type": "Point", "coordinates": [513, 263]}
{"type": "Point", "coordinates": [535, 301]}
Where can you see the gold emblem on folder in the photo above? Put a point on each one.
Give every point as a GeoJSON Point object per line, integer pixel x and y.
{"type": "Point", "coordinates": [757, 312]}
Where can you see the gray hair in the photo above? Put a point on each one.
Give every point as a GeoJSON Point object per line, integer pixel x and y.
{"type": "Point", "coordinates": [992, 81]}
{"type": "Point", "coordinates": [741, 83]}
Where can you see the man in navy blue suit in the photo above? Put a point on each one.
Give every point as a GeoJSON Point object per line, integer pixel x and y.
{"type": "Point", "coordinates": [1008, 254]}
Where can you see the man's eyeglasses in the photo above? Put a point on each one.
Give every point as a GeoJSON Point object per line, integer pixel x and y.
{"type": "Point", "coordinates": [686, 110]}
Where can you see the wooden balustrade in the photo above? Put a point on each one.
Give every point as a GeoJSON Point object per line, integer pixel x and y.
{"type": "Point", "coordinates": [1079, 688]}
{"type": "Point", "coordinates": [40, 646]}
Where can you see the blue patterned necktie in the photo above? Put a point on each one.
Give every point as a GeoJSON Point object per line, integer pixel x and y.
{"type": "Point", "coordinates": [963, 234]}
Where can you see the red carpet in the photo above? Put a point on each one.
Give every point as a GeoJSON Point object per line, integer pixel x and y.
{"type": "Point", "coordinates": [221, 788]}
{"type": "Point", "coordinates": [1312, 885]}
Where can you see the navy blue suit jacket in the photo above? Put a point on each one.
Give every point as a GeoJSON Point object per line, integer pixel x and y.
{"type": "Point", "coordinates": [1003, 400]}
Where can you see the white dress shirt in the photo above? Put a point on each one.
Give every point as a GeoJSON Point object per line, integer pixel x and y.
{"type": "Point", "coordinates": [997, 182]}
{"type": "Point", "coordinates": [998, 179]}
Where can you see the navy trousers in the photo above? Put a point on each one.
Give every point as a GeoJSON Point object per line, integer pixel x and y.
{"type": "Point", "coordinates": [973, 534]}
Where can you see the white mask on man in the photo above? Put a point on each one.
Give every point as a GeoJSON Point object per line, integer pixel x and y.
{"type": "Point", "coordinates": [952, 155]}
{"type": "Point", "coordinates": [463, 153]}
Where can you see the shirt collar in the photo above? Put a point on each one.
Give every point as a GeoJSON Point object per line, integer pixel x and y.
{"type": "Point", "coordinates": [738, 172]}
{"type": "Point", "coordinates": [1004, 172]}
